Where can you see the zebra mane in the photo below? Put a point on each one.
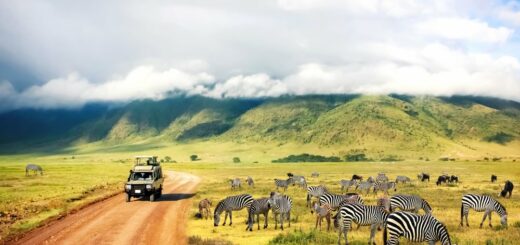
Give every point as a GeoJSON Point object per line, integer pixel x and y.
{"type": "Point", "coordinates": [427, 204]}
{"type": "Point", "coordinates": [218, 207]}
{"type": "Point", "coordinates": [500, 206]}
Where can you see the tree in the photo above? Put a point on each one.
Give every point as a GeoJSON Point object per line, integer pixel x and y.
{"type": "Point", "coordinates": [236, 159]}
{"type": "Point", "coordinates": [167, 158]}
{"type": "Point", "coordinates": [194, 157]}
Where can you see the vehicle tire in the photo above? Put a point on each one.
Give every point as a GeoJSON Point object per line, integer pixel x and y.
{"type": "Point", "coordinates": [128, 197]}
{"type": "Point", "coordinates": [159, 194]}
{"type": "Point", "coordinates": [152, 197]}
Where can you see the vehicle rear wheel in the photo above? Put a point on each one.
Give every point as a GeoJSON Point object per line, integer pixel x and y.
{"type": "Point", "coordinates": [128, 197]}
{"type": "Point", "coordinates": [152, 197]}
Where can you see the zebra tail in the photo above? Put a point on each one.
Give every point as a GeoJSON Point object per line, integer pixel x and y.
{"type": "Point", "coordinates": [461, 211]}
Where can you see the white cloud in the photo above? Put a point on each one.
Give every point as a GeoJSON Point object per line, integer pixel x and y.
{"type": "Point", "coordinates": [253, 86]}
{"type": "Point", "coordinates": [464, 29]}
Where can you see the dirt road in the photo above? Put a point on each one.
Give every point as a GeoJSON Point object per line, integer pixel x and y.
{"type": "Point", "coordinates": [115, 221]}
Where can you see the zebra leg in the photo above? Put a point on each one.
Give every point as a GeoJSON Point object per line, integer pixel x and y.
{"type": "Point", "coordinates": [328, 221]}
{"type": "Point", "coordinates": [484, 218]}
{"type": "Point", "coordinates": [467, 214]}
{"type": "Point", "coordinates": [317, 221]}
{"type": "Point", "coordinates": [373, 228]}
{"type": "Point", "coordinates": [489, 215]}
{"type": "Point", "coordinates": [265, 217]}
{"type": "Point", "coordinates": [225, 219]}
{"type": "Point", "coordinates": [275, 221]}
{"type": "Point", "coordinates": [282, 217]}
{"type": "Point", "coordinates": [230, 218]}
{"type": "Point", "coordinates": [289, 218]}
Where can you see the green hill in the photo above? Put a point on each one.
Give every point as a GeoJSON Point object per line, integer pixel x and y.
{"type": "Point", "coordinates": [377, 125]}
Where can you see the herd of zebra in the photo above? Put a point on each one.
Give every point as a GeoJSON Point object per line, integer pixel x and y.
{"type": "Point", "coordinates": [350, 208]}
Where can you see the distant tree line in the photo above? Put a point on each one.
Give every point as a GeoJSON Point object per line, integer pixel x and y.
{"type": "Point", "coordinates": [307, 158]}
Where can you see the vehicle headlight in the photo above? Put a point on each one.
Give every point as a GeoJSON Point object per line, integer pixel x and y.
{"type": "Point", "coordinates": [148, 186]}
{"type": "Point", "coordinates": [128, 187]}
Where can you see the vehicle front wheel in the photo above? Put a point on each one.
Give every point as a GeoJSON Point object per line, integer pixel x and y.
{"type": "Point", "coordinates": [128, 197]}
{"type": "Point", "coordinates": [159, 193]}
{"type": "Point", "coordinates": [152, 197]}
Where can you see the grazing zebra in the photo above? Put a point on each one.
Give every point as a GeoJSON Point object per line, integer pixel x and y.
{"type": "Point", "coordinates": [283, 183]}
{"type": "Point", "coordinates": [375, 216]}
{"type": "Point", "coordinates": [250, 181]}
{"type": "Point", "coordinates": [334, 201]}
{"type": "Point", "coordinates": [281, 206]}
{"type": "Point", "coordinates": [482, 203]}
{"type": "Point", "coordinates": [204, 208]}
{"type": "Point", "coordinates": [384, 186]}
{"type": "Point", "coordinates": [364, 185]}
{"type": "Point", "coordinates": [302, 183]}
{"type": "Point", "coordinates": [322, 211]}
{"type": "Point", "coordinates": [259, 206]}
{"type": "Point", "coordinates": [229, 204]}
{"type": "Point", "coordinates": [508, 188]}
{"type": "Point", "coordinates": [315, 175]}
{"type": "Point", "coordinates": [409, 203]}
{"type": "Point", "coordinates": [33, 167]}
{"type": "Point", "coordinates": [494, 178]}
{"type": "Point", "coordinates": [235, 183]}
{"type": "Point", "coordinates": [402, 179]}
{"type": "Point", "coordinates": [416, 228]}
{"type": "Point", "coordinates": [352, 198]}
{"type": "Point", "coordinates": [315, 191]}
{"type": "Point", "coordinates": [346, 184]}
{"type": "Point", "coordinates": [381, 177]}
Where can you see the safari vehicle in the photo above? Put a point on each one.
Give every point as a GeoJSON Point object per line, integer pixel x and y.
{"type": "Point", "coordinates": [145, 179]}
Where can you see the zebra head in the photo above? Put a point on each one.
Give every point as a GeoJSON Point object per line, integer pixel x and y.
{"type": "Point", "coordinates": [426, 207]}
{"type": "Point", "coordinates": [442, 233]}
{"type": "Point", "coordinates": [384, 203]}
{"type": "Point", "coordinates": [503, 220]}
{"type": "Point", "coordinates": [217, 212]}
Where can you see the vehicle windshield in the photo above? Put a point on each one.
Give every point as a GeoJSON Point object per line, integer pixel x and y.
{"type": "Point", "coordinates": [141, 176]}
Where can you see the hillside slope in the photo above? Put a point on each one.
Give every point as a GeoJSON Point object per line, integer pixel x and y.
{"type": "Point", "coordinates": [378, 125]}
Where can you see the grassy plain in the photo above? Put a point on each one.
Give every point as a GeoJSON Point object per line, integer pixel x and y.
{"type": "Point", "coordinates": [98, 170]}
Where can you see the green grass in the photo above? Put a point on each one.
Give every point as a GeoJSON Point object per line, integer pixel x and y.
{"type": "Point", "coordinates": [99, 169]}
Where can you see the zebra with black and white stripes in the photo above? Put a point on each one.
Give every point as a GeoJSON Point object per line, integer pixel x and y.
{"type": "Point", "coordinates": [335, 201]}
{"type": "Point", "coordinates": [315, 191]}
{"type": "Point", "coordinates": [259, 206]}
{"type": "Point", "coordinates": [346, 184]}
{"type": "Point", "coordinates": [482, 203]}
{"type": "Point", "coordinates": [384, 186]}
{"type": "Point", "coordinates": [411, 203]}
{"type": "Point", "coordinates": [281, 206]}
{"type": "Point", "coordinates": [375, 216]}
{"type": "Point", "coordinates": [229, 204]}
{"type": "Point", "coordinates": [280, 183]}
{"type": "Point", "coordinates": [416, 228]}
{"type": "Point", "coordinates": [365, 185]}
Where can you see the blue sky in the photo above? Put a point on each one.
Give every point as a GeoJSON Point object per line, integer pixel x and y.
{"type": "Point", "coordinates": [57, 54]}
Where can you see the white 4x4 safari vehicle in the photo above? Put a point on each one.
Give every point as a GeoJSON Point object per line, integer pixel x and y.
{"type": "Point", "coordinates": [145, 179]}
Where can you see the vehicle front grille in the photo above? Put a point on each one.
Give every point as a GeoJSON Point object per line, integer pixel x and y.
{"type": "Point", "coordinates": [142, 188]}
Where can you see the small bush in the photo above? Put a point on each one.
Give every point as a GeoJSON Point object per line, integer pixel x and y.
{"type": "Point", "coordinates": [236, 159]}
{"type": "Point", "coordinates": [194, 157]}
{"type": "Point", "coordinates": [167, 158]}
{"type": "Point", "coordinates": [197, 240]}
{"type": "Point", "coordinates": [444, 159]}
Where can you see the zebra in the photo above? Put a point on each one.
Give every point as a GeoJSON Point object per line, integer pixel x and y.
{"type": "Point", "coordinates": [381, 178]}
{"type": "Point", "coordinates": [229, 204]}
{"type": "Point", "coordinates": [371, 180]}
{"type": "Point", "coordinates": [384, 186]}
{"type": "Point", "coordinates": [259, 206]}
{"type": "Point", "coordinates": [375, 216]}
{"type": "Point", "coordinates": [315, 191]}
{"type": "Point", "coordinates": [364, 185]}
{"type": "Point", "coordinates": [416, 228]}
{"type": "Point", "coordinates": [334, 201]}
{"type": "Point", "coordinates": [281, 206]}
{"type": "Point", "coordinates": [302, 183]}
{"type": "Point", "coordinates": [482, 203]}
{"type": "Point", "coordinates": [235, 183]}
{"type": "Point", "coordinates": [33, 167]}
{"type": "Point", "coordinates": [283, 183]}
{"type": "Point", "coordinates": [346, 184]}
{"type": "Point", "coordinates": [402, 179]}
{"type": "Point", "coordinates": [352, 198]}
{"type": "Point", "coordinates": [315, 175]}
{"type": "Point", "coordinates": [322, 211]}
{"type": "Point", "coordinates": [204, 208]}
{"type": "Point", "coordinates": [250, 181]}
{"type": "Point", "coordinates": [409, 203]}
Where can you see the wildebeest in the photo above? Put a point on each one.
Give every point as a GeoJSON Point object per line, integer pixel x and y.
{"type": "Point", "coordinates": [508, 189]}
{"type": "Point", "coordinates": [442, 179]}
{"type": "Point", "coordinates": [33, 167]}
{"type": "Point", "coordinates": [454, 178]}
{"type": "Point", "coordinates": [357, 177]}
{"type": "Point", "coordinates": [493, 178]}
{"type": "Point", "coordinates": [204, 208]}
{"type": "Point", "coordinates": [423, 177]}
